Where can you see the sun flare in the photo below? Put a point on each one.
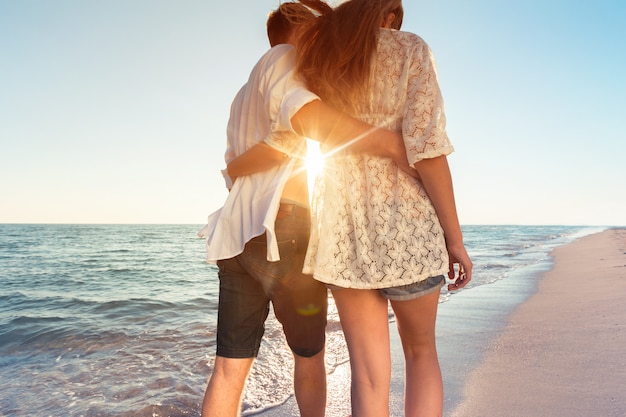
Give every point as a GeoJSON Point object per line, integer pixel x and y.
{"type": "Point", "coordinates": [314, 161]}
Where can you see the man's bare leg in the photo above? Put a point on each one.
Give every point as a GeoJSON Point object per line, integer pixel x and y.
{"type": "Point", "coordinates": [310, 384]}
{"type": "Point", "coordinates": [224, 391]}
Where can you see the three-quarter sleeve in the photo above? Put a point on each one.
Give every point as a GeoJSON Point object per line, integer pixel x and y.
{"type": "Point", "coordinates": [424, 120]}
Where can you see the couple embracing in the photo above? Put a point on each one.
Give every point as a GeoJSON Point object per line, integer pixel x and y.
{"type": "Point", "coordinates": [383, 227]}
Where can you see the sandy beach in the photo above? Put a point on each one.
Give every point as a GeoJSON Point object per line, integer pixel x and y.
{"type": "Point", "coordinates": [563, 352]}
{"type": "Point", "coordinates": [553, 345]}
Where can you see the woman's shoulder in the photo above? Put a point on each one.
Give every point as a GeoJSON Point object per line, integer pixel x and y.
{"type": "Point", "coordinates": [406, 39]}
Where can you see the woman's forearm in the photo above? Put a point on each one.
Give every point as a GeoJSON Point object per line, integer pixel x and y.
{"type": "Point", "coordinates": [437, 180]}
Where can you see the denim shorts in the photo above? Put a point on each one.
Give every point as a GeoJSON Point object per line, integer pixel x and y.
{"type": "Point", "coordinates": [415, 290]}
{"type": "Point", "coordinates": [249, 282]}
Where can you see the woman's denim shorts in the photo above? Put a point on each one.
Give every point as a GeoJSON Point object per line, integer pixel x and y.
{"type": "Point", "coordinates": [409, 291]}
{"type": "Point", "coordinates": [415, 290]}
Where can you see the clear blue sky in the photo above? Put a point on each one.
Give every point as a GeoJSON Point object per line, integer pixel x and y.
{"type": "Point", "coordinates": [115, 111]}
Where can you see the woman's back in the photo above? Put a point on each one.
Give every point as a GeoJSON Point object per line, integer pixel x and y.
{"type": "Point", "coordinates": [404, 94]}
{"type": "Point", "coordinates": [379, 227]}
{"type": "Point", "coordinates": [376, 227]}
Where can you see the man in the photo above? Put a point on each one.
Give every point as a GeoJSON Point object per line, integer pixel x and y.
{"type": "Point", "coordinates": [259, 238]}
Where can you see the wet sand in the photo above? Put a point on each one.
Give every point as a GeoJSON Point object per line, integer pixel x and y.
{"type": "Point", "coordinates": [563, 352]}
{"type": "Point", "coordinates": [550, 342]}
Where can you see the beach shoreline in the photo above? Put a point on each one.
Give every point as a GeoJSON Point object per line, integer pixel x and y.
{"type": "Point", "coordinates": [525, 347]}
{"type": "Point", "coordinates": [562, 352]}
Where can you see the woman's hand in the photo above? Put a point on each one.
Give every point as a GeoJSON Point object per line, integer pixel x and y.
{"type": "Point", "coordinates": [437, 181]}
{"type": "Point", "coordinates": [463, 274]}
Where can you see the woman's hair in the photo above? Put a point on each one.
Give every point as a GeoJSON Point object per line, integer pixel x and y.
{"type": "Point", "coordinates": [284, 20]}
{"type": "Point", "coordinates": [335, 52]}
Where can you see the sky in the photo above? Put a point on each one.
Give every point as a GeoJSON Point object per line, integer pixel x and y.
{"type": "Point", "coordinates": [115, 111]}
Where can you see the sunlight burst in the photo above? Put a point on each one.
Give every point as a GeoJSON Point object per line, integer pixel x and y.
{"type": "Point", "coordinates": [314, 161]}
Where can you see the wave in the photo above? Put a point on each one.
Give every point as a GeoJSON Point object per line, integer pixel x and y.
{"type": "Point", "coordinates": [120, 320]}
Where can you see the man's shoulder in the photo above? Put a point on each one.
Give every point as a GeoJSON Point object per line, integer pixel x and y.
{"type": "Point", "coordinates": [284, 47]}
{"type": "Point", "coordinates": [277, 53]}
{"type": "Point", "coordinates": [276, 61]}
{"type": "Point", "coordinates": [279, 56]}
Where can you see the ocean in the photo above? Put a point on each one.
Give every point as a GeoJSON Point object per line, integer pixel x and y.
{"type": "Point", "coordinates": [119, 320]}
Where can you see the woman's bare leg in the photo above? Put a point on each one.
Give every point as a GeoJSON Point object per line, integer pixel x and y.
{"type": "Point", "coordinates": [416, 326]}
{"type": "Point", "coordinates": [365, 322]}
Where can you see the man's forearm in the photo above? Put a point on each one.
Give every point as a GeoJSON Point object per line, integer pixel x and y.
{"type": "Point", "coordinates": [326, 125]}
{"type": "Point", "coordinates": [259, 158]}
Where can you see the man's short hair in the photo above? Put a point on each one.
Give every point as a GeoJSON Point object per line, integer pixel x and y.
{"type": "Point", "coordinates": [282, 21]}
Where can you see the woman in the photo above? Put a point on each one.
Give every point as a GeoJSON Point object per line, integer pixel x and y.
{"type": "Point", "coordinates": [387, 237]}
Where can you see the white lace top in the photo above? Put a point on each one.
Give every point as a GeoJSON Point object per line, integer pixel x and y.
{"type": "Point", "coordinates": [373, 226]}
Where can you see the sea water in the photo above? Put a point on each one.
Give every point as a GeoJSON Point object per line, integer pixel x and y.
{"type": "Point", "coordinates": [119, 320]}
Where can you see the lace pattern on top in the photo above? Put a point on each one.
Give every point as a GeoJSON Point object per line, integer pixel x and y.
{"type": "Point", "coordinates": [373, 226]}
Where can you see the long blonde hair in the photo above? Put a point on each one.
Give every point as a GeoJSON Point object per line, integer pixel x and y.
{"type": "Point", "coordinates": [335, 52]}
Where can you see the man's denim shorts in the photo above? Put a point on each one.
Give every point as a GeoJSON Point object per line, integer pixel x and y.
{"type": "Point", "coordinates": [248, 282]}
